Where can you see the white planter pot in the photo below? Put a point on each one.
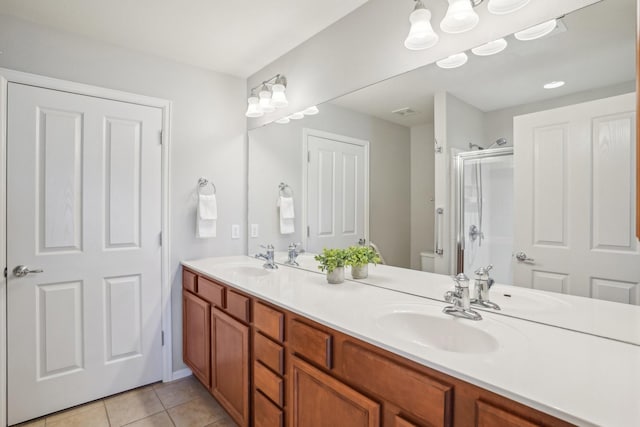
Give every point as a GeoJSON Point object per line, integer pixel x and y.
{"type": "Point", "coordinates": [360, 271]}
{"type": "Point", "coordinates": [336, 276]}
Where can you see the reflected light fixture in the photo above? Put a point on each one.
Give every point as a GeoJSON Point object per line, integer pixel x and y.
{"type": "Point", "coordinates": [283, 121]}
{"type": "Point", "coordinates": [421, 34]}
{"type": "Point", "coordinates": [460, 17]}
{"type": "Point", "coordinates": [537, 31]}
{"type": "Point", "coordinates": [271, 95]}
{"type": "Point", "coordinates": [297, 116]}
{"type": "Point", "coordinates": [311, 111]}
{"type": "Point", "coordinates": [554, 85]}
{"type": "Point", "coordinates": [490, 48]}
{"type": "Point", "coordinates": [254, 106]}
{"type": "Point", "coordinates": [502, 7]}
{"type": "Point", "coordinates": [454, 61]}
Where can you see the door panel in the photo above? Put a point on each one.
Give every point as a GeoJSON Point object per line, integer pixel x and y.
{"type": "Point", "coordinates": [82, 173]}
{"type": "Point", "coordinates": [574, 186]}
{"type": "Point", "coordinates": [336, 192]}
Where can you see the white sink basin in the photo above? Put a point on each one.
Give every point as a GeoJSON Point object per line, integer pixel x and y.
{"type": "Point", "coordinates": [249, 270]}
{"type": "Point", "coordinates": [443, 333]}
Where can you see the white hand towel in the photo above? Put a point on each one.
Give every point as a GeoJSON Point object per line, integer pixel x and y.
{"type": "Point", "coordinates": [207, 206]}
{"type": "Point", "coordinates": [287, 215]}
{"type": "Point", "coordinates": [207, 214]}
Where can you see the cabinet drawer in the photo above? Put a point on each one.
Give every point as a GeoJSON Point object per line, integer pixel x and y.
{"type": "Point", "coordinates": [189, 280]}
{"type": "Point", "coordinates": [268, 383]}
{"type": "Point", "coordinates": [269, 321]}
{"type": "Point", "coordinates": [488, 415]}
{"type": "Point", "coordinates": [268, 352]}
{"type": "Point", "coordinates": [311, 343]}
{"type": "Point", "coordinates": [238, 306]}
{"type": "Point", "coordinates": [266, 414]}
{"type": "Point", "coordinates": [398, 384]}
{"type": "Point", "coordinates": [211, 291]}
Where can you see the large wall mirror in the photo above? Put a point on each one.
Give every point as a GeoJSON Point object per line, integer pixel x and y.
{"type": "Point", "coordinates": [529, 153]}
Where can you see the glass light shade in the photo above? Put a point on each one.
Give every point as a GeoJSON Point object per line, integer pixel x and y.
{"type": "Point", "coordinates": [502, 7]}
{"type": "Point", "coordinates": [254, 107]}
{"type": "Point", "coordinates": [554, 85]}
{"type": "Point", "coordinates": [454, 61]}
{"type": "Point", "coordinates": [460, 17]}
{"type": "Point", "coordinates": [421, 34]}
{"type": "Point", "coordinates": [297, 116]}
{"type": "Point", "coordinates": [283, 121]}
{"type": "Point", "coordinates": [311, 111]}
{"type": "Point", "coordinates": [537, 31]}
{"type": "Point", "coordinates": [278, 98]}
{"type": "Point", "coordinates": [265, 101]}
{"type": "Point", "coordinates": [490, 48]}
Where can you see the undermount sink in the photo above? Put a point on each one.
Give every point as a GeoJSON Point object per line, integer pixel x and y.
{"type": "Point", "coordinates": [436, 331]}
{"type": "Point", "coordinates": [245, 269]}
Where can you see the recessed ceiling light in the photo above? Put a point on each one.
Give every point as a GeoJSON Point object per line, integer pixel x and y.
{"type": "Point", "coordinates": [454, 61]}
{"type": "Point", "coordinates": [554, 84]}
{"type": "Point", "coordinates": [537, 31]}
{"type": "Point", "coordinates": [490, 48]}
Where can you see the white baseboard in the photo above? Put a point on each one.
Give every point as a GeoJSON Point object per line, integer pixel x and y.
{"type": "Point", "coordinates": [180, 374]}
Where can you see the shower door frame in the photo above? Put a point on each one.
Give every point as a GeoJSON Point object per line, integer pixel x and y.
{"type": "Point", "coordinates": [459, 196]}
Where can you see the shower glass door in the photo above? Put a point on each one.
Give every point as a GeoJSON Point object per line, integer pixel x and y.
{"type": "Point", "coordinates": [484, 225]}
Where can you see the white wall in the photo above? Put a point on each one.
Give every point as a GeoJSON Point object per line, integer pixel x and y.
{"type": "Point", "coordinates": [422, 192]}
{"type": "Point", "coordinates": [366, 47]}
{"type": "Point", "coordinates": [275, 155]}
{"type": "Point", "coordinates": [207, 135]}
{"type": "Point", "coordinates": [499, 123]}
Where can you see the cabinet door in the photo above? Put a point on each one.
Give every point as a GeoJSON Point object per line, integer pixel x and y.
{"type": "Point", "coordinates": [322, 401]}
{"type": "Point", "coordinates": [230, 365]}
{"type": "Point", "coordinates": [489, 415]}
{"type": "Point", "coordinates": [196, 346]}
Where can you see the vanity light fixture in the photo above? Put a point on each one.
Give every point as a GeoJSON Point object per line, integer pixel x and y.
{"type": "Point", "coordinates": [503, 7]}
{"type": "Point", "coordinates": [454, 61]}
{"type": "Point", "coordinates": [537, 31]}
{"type": "Point", "coordinates": [554, 84]}
{"type": "Point", "coordinates": [297, 116]}
{"type": "Point", "coordinates": [283, 121]}
{"type": "Point", "coordinates": [311, 111]}
{"type": "Point", "coordinates": [253, 110]}
{"type": "Point", "coordinates": [460, 18]}
{"type": "Point", "coordinates": [271, 95]}
{"type": "Point", "coordinates": [490, 48]}
{"type": "Point", "coordinates": [421, 35]}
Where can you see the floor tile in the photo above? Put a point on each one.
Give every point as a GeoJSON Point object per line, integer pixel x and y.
{"type": "Point", "coordinates": [34, 423]}
{"type": "Point", "coordinates": [199, 412]}
{"type": "Point", "coordinates": [132, 406]}
{"type": "Point", "coordinates": [178, 392]}
{"type": "Point", "coordinates": [92, 414]}
{"type": "Point", "coordinates": [160, 419]}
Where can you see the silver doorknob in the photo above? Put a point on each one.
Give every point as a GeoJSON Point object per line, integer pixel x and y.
{"type": "Point", "coordinates": [23, 270]}
{"type": "Point", "coordinates": [522, 257]}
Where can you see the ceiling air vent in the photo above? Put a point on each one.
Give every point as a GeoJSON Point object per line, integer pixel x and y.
{"type": "Point", "coordinates": [404, 112]}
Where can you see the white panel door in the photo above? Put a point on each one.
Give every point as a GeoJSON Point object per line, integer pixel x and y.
{"type": "Point", "coordinates": [83, 205]}
{"type": "Point", "coordinates": [574, 193]}
{"type": "Point", "coordinates": [336, 193]}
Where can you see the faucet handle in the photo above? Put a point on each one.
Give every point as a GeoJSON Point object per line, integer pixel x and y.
{"type": "Point", "coordinates": [484, 271]}
{"type": "Point", "coordinates": [462, 281]}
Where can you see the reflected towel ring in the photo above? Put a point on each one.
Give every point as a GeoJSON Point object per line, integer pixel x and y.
{"type": "Point", "coordinates": [203, 182]}
{"type": "Point", "coordinates": [284, 188]}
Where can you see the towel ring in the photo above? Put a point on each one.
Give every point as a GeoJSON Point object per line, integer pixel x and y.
{"type": "Point", "coordinates": [203, 182]}
{"type": "Point", "coordinates": [284, 188]}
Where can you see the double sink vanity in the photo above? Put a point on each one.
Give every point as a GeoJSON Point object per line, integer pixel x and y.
{"type": "Point", "coordinates": [283, 347]}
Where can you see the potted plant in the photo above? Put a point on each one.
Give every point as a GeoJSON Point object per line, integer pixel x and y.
{"type": "Point", "coordinates": [332, 261]}
{"type": "Point", "coordinates": [359, 258]}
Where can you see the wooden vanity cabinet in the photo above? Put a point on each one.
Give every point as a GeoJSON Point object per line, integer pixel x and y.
{"type": "Point", "coordinates": [269, 367]}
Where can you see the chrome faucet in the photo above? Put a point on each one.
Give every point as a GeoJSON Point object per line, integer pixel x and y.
{"type": "Point", "coordinates": [293, 253]}
{"type": "Point", "coordinates": [483, 284]}
{"type": "Point", "coordinates": [459, 297]}
{"type": "Point", "coordinates": [270, 263]}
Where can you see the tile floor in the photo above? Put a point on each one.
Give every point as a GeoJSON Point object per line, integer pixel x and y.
{"type": "Point", "coordinates": [182, 403]}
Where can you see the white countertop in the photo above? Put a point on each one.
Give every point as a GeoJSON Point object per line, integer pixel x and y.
{"type": "Point", "coordinates": [598, 317]}
{"type": "Point", "coordinates": [580, 378]}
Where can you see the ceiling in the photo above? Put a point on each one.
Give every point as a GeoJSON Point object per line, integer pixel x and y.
{"type": "Point", "coordinates": [232, 37]}
{"type": "Point", "coordinates": [597, 49]}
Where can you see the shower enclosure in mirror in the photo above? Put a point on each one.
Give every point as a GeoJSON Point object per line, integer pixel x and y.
{"type": "Point", "coordinates": [484, 197]}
